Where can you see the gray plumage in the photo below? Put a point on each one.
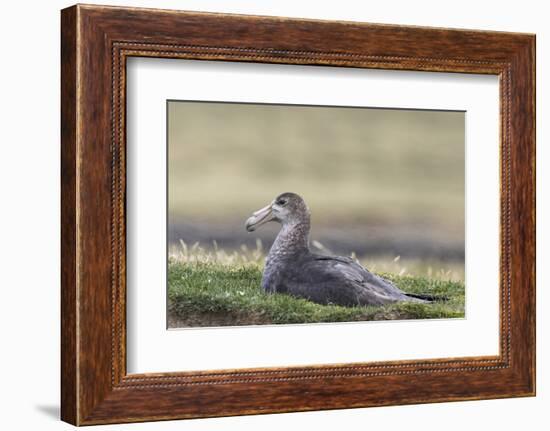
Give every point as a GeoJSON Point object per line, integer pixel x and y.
{"type": "Point", "coordinates": [292, 268]}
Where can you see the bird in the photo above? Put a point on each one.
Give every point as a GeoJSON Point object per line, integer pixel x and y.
{"type": "Point", "coordinates": [292, 268]}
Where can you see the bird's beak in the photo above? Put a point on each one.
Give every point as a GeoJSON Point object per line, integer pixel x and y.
{"type": "Point", "coordinates": [259, 217]}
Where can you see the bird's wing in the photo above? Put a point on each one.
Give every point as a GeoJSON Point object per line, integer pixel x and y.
{"type": "Point", "coordinates": [341, 280]}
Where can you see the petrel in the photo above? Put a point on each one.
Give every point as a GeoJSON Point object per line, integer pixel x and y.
{"type": "Point", "coordinates": [292, 268]}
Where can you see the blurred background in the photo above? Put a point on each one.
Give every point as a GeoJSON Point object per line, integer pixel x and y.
{"type": "Point", "coordinates": [384, 185]}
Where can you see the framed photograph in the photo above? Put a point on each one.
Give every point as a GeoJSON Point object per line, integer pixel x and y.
{"type": "Point", "coordinates": [263, 214]}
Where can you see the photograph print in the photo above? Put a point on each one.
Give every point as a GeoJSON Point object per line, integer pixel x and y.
{"type": "Point", "coordinates": [295, 214]}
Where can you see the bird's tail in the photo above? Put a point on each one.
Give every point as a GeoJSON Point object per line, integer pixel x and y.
{"type": "Point", "coordinates": [429, 298]}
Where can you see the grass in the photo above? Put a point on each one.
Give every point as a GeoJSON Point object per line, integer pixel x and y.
{"type": "Point", "coordinates": [452, 270]}
{"type": "Point", "coordinates": [219, 289]}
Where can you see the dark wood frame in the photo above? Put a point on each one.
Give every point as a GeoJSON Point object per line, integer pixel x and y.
{"type": "Point", "coordinates": [95, 43]}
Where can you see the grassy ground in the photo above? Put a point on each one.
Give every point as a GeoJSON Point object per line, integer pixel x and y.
{"type": "Point", "coordinates": [225, 290]}
{"type": "Point", "coordinates": [432, 268]}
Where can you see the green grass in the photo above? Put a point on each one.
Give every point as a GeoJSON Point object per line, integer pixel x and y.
{"type": "Point", "coordinates": [217, 294]}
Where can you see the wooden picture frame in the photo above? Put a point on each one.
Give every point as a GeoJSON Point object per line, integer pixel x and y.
{"type": "Point", "coordinates": [95, 43]}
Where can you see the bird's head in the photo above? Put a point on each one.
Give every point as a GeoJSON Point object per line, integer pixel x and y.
{"type": "Point", "coordinates": [287, 209]}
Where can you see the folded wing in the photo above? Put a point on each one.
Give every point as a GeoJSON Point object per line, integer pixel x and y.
{"type": "Point", "coordinates": [342, 281]}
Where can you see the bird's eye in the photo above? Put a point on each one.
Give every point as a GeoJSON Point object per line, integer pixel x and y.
{"type": "Point", "coordinates": [281, 202]}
